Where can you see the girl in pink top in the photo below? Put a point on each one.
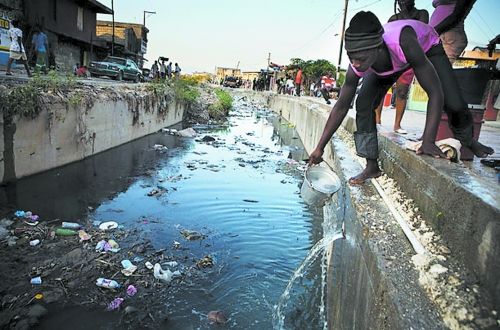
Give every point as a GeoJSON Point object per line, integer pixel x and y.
{"type": "Point", "coordinates": [407, 11]}
{"type": "Point", "coordinates": [380, 55]}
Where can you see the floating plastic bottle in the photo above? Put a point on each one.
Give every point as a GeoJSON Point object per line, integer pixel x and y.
{"type": "Point", "coordinates": [36, 280]}
{"type": "Point", "coordinates": [65, 232]}
{"type": "Point", "coordinates": [108, 284]}
{"type": "Point", "coordinates": [71, 225]}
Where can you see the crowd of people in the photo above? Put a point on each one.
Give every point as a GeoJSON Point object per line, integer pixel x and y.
{"type": "Point", "coordinates": [161, 71]}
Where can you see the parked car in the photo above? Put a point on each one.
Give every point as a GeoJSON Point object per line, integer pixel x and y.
{"type": "Point", "coordinates": [116, 68]}
{"type": "Point", "coordinates": [146, 74]}
{"type": "Point", "coordinates": [232, 82]}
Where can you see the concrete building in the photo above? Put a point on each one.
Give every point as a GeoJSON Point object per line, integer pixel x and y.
{"type": "Point", "coordinates": [131, 40]}
{"type": "Point", "coordinates": [69, 24]}
{"type": "Point", "coordinates": [221, 73]}
{"type": "Point", "coordinates": [250, 75]}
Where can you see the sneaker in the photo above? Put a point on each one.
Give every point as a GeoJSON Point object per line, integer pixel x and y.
{"type": "Point", "coordinates": [401, 131]}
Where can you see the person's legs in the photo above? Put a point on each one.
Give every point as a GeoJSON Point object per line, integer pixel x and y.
{"type": "Point", "coordinates": [401, 97]}
{"type": "Point", "coordinates": [9, 64]}
{"type": "Point", "coordinates": [378, 113]}
{"type": "Point", "coordinates": [459, 116]}
{"type": "Point", "coordinates": [326, 95]}
{"type": "Point", "coordinates": [365, 137]}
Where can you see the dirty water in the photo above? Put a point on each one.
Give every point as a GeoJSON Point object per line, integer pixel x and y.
{"type": "Point", "coordinates": [238, 195]}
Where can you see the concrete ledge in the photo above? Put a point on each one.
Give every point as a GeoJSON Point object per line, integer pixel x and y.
{"type": "Point", "coordinates": [461, 206]}
{"type": "Point", "coordinates": [371, 282]}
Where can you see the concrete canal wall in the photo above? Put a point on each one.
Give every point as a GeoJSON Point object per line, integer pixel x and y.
{"type": "Point", "coordinates": [372, 280]}
{"type": "Point", "coordinates": [64, 132]}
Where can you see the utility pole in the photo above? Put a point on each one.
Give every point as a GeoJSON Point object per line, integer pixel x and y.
{"type": "Point", "coordinates": [342, 37]}
{"type": "Point", "coordinates": [113, 33]}
{"type": "Point", "coordinates": [144, 17]}
{"type": "Point", "coordinates": [268, 61]}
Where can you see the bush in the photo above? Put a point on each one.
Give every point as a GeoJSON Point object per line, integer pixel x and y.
{"type": "Point", "coordinates": [220, 109]}
{"type": "Point", "coordinates": [186, 91]}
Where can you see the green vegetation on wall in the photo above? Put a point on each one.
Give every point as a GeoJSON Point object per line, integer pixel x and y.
{"type": "Point", "coordinates": [221, 107]}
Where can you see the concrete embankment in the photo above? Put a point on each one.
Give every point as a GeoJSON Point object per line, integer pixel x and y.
{"type": "Point", "coordinates": [88, 120]}
{"type": "Point", "coordinates": [375, 279]}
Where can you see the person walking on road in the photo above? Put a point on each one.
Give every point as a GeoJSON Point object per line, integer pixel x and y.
{"type": "Point", "coordinates": [298, 81]}
{"type": "Point", "coordinates": [40, 47]}
{"type": "Point", "coordinates": [17, 51]}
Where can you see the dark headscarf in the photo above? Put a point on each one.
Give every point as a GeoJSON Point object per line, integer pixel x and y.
{"type": "Point", "coordinates": [364, 32]}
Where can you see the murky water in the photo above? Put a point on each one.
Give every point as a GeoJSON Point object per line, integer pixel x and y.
{"type": "Point", "coordinates": [241, 191]}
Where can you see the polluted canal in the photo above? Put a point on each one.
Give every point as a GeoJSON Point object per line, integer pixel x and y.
{"type": "Point", "coordinates": [220, 213]}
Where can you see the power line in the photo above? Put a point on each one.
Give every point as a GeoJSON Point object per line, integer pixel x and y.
{"type": "Point", "coordinates": [484, 21]}
{"type": "Point", "coordinates": [485, 35]}
{"type": "Point", "coordinates": [368, 5]}
{"type": "Point", "coordinates": [336, 17]}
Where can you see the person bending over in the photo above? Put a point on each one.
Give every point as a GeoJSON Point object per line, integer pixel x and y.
{"type": "Point", "coordinates": [380, 55]}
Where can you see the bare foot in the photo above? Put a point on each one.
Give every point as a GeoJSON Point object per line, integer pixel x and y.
{"type": "Point", "coordinates": [432, 150]}
{"type": "Point", "coordinates": [365, 175]}
{"type": "Point", "coordinates": [480, 150]}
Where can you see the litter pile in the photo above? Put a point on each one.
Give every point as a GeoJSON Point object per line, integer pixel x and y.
{"type": "Point", "coordinates": [94, 264]}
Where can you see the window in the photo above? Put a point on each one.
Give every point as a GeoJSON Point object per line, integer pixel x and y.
{"type": "Point", "coordinates": [79, 19]}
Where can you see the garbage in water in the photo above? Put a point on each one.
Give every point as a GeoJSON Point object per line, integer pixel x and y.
{"type": "Point", "coordinates": [39, 296]}
{"type": "Point", "coordinates": [115, 304]}
{"type": "Point", "coordinates": [83, 236]}
{"type": "Point", "coordinates": [131, 290]}
{"type": "Point", "coordinates": [149, 265]}
{"type": "Point", "coordinates": [36, 280]}
{"type": "Point", "coordinates": [188, 132]}
{"type": "Point", "coordinates": [192, 235]}
{"type": "Point", "coordinates": [35, 242]}
{"type": "Point", "coordinates": [320, 183]}
{"type": "Point", "coordinates": [160, 147]}
{"type": "Point", "coordinates": [105, 246]}
{"type": "Point", "coordinates": [129, 268]}
{"type": "Point", "coordinates": [170, 264]}
{"type": "Point", "coordinates": [164, 275]}
{"type": "Point", "coordinates": [108, 284]}
{"type": "Point", "coordinates": [66, 232]}
{"type": "Point", "coordinates": [71, 225]}
{"type": "Point", "coordinates": [108, 225]}
{"type": "Point", "coordinates": [217, 317]}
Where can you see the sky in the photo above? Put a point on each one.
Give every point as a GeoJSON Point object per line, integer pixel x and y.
{"type": "Point", "coordinates": [203, 34]}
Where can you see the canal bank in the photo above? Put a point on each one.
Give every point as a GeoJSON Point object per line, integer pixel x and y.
{"type": "Point", "coordinates": [378, 280]}
{"type": "Point", "coordinates": [374, 278]}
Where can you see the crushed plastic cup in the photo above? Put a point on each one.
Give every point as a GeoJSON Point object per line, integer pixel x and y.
{"type": "Point", "coordinates": [115, 304]}
{"type": "Point", "coordinates": [126, 263]}
{"type": "Point", "coordinates": [20, 214]}
{"type": "Point", "coordinates": [108, 225]}
{"type": "Point", "coordinates": [83, 236]}
{"type": "Point", "coordinates": [36, 280]}
{"type": "Point", "coordinates": [35, 242]}
{"type": "Point", "coordinates": [164, 275]}
{"type": "Point", "coordinates": [131, 290]}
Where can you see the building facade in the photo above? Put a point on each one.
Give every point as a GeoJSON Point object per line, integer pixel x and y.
{"type": "Point", "coordinates": [69, 24]}
{"type": "Point", "coordinates": [131, 40]}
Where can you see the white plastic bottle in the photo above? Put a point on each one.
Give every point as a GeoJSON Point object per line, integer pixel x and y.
{"type": "Point", "coordinates": [105, 283]}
